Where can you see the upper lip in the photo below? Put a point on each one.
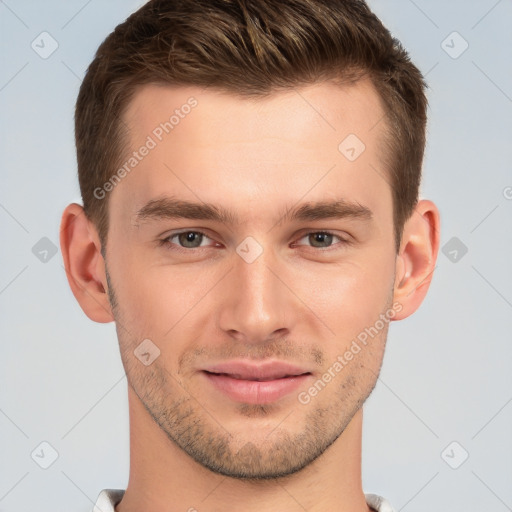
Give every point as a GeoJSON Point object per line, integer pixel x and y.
{"type": "Point", "coordinates": [268, 370]}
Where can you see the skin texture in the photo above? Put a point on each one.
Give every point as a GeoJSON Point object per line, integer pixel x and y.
{"type": "Point", "coordinates": [303, 300]}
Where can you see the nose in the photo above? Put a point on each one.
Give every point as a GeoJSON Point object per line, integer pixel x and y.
{"type": "Point", "coordinates": [257, 303]}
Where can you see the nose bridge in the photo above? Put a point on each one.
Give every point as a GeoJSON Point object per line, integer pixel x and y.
{"type": "Point", "coordinates": [255, 303]}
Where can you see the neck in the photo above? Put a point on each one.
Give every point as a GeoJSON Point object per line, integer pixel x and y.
{"type": "Point", "coordinates": [163, 478]}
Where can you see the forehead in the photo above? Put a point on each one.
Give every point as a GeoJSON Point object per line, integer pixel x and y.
{"type": "Point", "coordinates": [321, 140]}
{"type": "Point", "coordinates": [323, 107]}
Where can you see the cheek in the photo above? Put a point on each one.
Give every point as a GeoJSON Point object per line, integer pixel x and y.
{"type": "Point", "coordinates": [158, 301]}
{"type": "Point", "coordinates": [349, 297]}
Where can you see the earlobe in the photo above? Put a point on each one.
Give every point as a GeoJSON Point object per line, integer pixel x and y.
{"type": "Point", "coordinates": [84, 264]}
{"type": "Point", "coordinates": [417, 257]}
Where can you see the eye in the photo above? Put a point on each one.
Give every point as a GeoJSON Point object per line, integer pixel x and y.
{"type": "Point", "coordinates": [190, 239]}
{"type": "Point", "coordinates": [322, 239]}
{"type": "Point", "coordinates": [186, 239]}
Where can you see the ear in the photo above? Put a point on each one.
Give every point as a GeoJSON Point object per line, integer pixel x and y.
{"type": "Point", "coordinates": [417, 257]}
{"type": "Point", "coordinates": [84, 264]}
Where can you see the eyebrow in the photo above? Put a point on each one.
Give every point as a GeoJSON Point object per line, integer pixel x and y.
{"type": "Point", "coordinates": [171, 208]}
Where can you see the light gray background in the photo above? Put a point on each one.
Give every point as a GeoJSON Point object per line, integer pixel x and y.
{"type": "Point", "coordinates": [447, 371]}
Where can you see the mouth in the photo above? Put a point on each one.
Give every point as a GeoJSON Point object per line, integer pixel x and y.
{"type": "Point", "coordinates": [256, 384]}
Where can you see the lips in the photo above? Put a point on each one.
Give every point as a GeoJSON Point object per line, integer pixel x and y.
{"type": "Point", "coordinates": [256, 383]}
{"type": "Point", "coordinates": [271, 370]}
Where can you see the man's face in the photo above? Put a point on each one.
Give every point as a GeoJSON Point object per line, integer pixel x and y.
{"type": "Point", "coordinates": [225, 299]}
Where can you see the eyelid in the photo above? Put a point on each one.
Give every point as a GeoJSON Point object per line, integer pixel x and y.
{"type": "Point", "coordinates": [342, 240]}
{"type": "Point", "coordinates": [166, 239]}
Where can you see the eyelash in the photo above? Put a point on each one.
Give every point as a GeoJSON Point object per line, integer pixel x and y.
{"type": "Point", "coordinates": [165, 242]}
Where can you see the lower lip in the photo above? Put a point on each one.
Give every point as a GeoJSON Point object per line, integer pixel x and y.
{"type": "Point", "coordinates": [256, 392]}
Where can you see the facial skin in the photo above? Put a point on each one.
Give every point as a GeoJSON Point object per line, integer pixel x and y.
{"type": "Point", "coordinates": [303, 300]}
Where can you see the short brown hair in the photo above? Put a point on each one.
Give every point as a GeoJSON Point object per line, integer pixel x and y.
{"type": "Point", "coordinates": [249, 48]}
